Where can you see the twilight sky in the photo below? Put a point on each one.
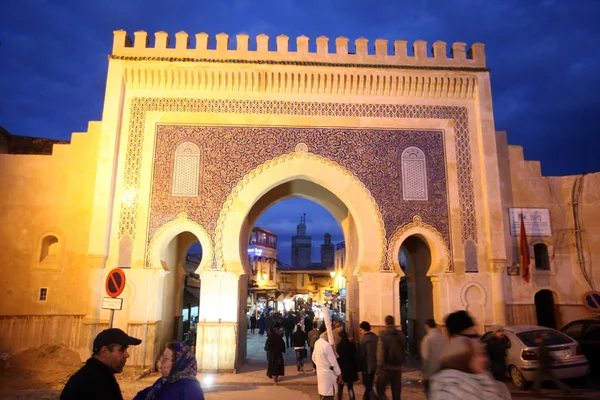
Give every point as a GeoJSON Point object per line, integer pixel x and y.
{"type": "Point", "coordinates": [544, 56]}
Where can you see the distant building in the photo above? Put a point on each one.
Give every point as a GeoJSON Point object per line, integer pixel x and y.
{"type": "Point", "coordinates": [327, 252]}
{"type": "Point", "coordinates": [301, 245]}
{"type": "Point", "coordinates": [262, 256]}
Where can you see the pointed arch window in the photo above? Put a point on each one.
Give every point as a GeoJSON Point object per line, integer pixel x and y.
{"type": "Point", "coordinates": [186, 170]}
{"type": "Point", "coordinates": [414, 174]}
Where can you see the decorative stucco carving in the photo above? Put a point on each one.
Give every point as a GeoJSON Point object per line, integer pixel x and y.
{"type": "Point", "coordinates": [418, 223]}
{"type": "Point", "coordinates": [466, 286]}
{"type": "Point", "coordinates": [301, 148]}
{"type": "Point", "coordinates": [497, 266]}
{"type": "Point", "coordinates": [247, 179]}
{"type": "Point", "coordinates": [414, 174]}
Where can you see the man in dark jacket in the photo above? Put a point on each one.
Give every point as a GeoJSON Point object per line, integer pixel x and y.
{"type": "Point", "coordinates": [496, 348]}
{"type": "Point", "coordinates": [96, 379]}
{"type": "Point", "coordinates": [289, 322]}
{"type": "Point", "coordinates": [391, 351]}
{"type": "Point", "coordinates": [368, 358]}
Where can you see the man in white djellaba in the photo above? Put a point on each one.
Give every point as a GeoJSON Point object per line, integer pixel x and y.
{"type": "Point", "coordinates": [328, 370]}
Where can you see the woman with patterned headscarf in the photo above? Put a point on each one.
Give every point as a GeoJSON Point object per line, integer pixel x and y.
{"type": "Point", "coordinates": [178, 368]}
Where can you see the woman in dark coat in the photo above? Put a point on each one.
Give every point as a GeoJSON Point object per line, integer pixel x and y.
{"type": "Point", "coordinates": [261, 324]}
{"type": "Point", "coordinates": [275, 347]}
{"type": "Point", "coordinates": [252, 323]}
{"type": "Point", "coordinates": [348, 362]}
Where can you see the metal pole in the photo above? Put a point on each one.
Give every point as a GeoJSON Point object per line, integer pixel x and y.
{"type": "Point", "coordinates": [112, 315]}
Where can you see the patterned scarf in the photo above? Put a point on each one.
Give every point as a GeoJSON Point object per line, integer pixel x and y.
{"type": "Point", "coordinates": [185, 368]}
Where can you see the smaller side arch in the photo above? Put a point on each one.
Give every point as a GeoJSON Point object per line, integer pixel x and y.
{"type": "Point", "coordinates": [163, 236]}
{"type": "Point", "coordinates": [440, 254]}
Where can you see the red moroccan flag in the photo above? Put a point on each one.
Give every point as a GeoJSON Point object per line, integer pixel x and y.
{"type": "Point", "coordinates": [524, 252]}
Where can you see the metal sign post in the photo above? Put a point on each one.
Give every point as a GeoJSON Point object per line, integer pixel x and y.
{"type": "Point", "coordinates": [112, 304]}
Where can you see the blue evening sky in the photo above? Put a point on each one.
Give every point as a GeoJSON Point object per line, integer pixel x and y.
{"type": "Point", "coordinates": [544, 56]}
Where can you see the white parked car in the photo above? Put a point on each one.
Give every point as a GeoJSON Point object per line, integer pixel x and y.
{"type": "Point", "coordinates": [522, 358]}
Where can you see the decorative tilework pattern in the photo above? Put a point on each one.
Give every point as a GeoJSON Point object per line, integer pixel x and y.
{"type": "Point", "coordinates": [139, 107]}
{"type": "Point", "coordinates": [414, 174]}
{"type": "Point", "coordinates": [232, 151]}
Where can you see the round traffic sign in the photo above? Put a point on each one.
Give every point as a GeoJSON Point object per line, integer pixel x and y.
{"type": "Point", "coordinates": [115, 282]}
{"type": "Point", "coordinates": [592, 301]}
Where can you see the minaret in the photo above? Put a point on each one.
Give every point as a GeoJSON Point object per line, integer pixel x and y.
{"type": "Point", "coordinates": [301, 245]}
{"type": "Point", "coordinates": [327, 252]}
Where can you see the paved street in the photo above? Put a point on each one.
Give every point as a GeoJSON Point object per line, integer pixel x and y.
{"type": "Point", "coordinates": [252, 383]}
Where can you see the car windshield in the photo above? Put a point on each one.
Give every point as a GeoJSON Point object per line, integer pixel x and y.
{"type": "Point", "coordinates": [552, 337]}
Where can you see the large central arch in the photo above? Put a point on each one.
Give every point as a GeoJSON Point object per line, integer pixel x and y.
{"type": "Point", "coordinates": [364, 231]}
{"type": "Point", "coordinates": [296, 174]}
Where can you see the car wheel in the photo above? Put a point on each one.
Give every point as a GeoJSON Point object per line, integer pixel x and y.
{"type": "Point", "coordinates": [517, 378]}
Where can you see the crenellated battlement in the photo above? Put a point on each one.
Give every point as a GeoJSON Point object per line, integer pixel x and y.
{"type": "Point", "coordinates": [378, 55]}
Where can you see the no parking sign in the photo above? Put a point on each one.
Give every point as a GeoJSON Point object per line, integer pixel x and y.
{"type": "Point", "coordinates": [115, 283]}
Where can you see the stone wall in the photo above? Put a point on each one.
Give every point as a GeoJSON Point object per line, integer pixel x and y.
{"type": "Point", "coordinates": [525, 187]}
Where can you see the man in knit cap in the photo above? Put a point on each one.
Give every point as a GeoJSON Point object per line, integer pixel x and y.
{"type": "Point", "coordinates": [460, 323]}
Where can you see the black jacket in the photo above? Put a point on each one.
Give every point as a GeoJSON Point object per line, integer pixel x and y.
{"type": "Point", "coordinates": [299, 339]}
{"type": "Point", "coordinates": [289, 323]}
{"type": "Point", "coordinates": [347, 361]}
{"type": "Point", "coordinates": [94, 381]}
{"type": "Point", "coordinates": [368, 353]}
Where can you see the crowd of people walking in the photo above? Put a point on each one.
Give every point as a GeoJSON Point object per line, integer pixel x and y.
{"type": "Point", "coordinates": [456, 365]}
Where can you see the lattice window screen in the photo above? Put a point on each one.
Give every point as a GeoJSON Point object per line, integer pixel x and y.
{"type": "Point", "coordinates": [414, 174]}
{"type": "Point", "coordinates": [186, 171]}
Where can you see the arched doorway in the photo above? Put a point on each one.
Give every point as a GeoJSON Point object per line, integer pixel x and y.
{"type": "Point", "coordinates": [416, 289]}
{"type": "Point", "coordinates": [302, 175]}
{"type": "Point", "coordinates": [292, 255]}
{"type": "Point", "coordinates": [545, 308]}
{"type": "Point", "coordinates": [181, 288]}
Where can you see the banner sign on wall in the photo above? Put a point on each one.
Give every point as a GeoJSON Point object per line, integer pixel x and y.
{"type": "Point", "coordinates": [537, 221]}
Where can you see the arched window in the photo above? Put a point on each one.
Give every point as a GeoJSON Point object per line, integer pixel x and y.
{"type": "Point", "coordinates": [414, 174]}
{"type": "Point", "coordinates": [186, 171]}
{"type": "Point", "coordinates": [49, 250]}
{"type": "Point", "coordinates": [542, 261]}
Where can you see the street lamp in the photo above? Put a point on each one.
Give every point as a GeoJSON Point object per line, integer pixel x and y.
{"type": "Point", "coordinates": [332, 274]}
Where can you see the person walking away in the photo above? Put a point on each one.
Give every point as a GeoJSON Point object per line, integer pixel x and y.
{"type": "Point", "coordinates": [96, 379]}
{"type": "Point", "coordinates": [328, 369]}
{"type": "Point", "coordinates": [262, 324]}
{"type": "Point", "coordinates": [496, 349]}
{"type": "Point", "coordinates": [269, 323]}
{"type": "Point", "coordinates": [433, 347]}
{"type": "Point", "coordinates": [178, 380]}
{"type": "Point", "coordinates": [544, 371]}
{"type": "Point", "coordinates": [368, 358]}
{"type": "Point", "coordinates": [347, 352]}
{"type": "Point", "coordinates": [313, 336]}
{"type": "Point", "coordinates": [252, 323]}
{"type": "Point", "coordinates": [299, 342]}
{"type": "Point", "coordinates": [464, 375]}
{"type": "Point", "coordinates": [308, 322]}
{"type": "Point", "coordinates": [275, 347]}
{"type": "Point", "coordinates": [391, 351]}
{"type": "Point", "coordinates": [289, 322]}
